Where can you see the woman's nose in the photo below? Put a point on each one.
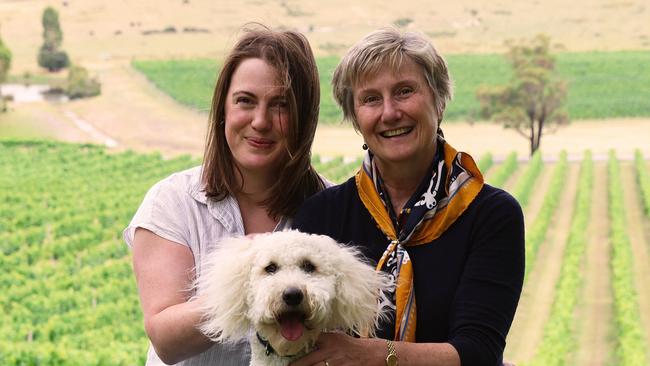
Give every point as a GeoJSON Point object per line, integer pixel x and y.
{"type": "Point", "coordinates": [391, 111]}
{"type": "Point", "coordinates": [262, 120]}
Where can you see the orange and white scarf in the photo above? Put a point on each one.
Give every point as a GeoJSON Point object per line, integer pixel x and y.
{"type": "Point", "coordinates": [442, 197]}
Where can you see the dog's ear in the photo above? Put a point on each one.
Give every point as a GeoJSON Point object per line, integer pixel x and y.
{"type": "Point", "coordinates": [356, 306]}
{"type": "Point", "coordinates": [221, 290]}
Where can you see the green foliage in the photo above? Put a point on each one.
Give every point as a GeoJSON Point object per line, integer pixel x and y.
{"type": "Point", "coordinates": [402, 22]}
{"type": "Point", "coordinates": [504, 171]}
{"type": "Point", "coordinates": [68, 293]}
{"type": "Point", "coordinates": [532, 101]}
{"type": "Point", "coordinates": [329, 110]}
{"type": "Point", "coordinates": [559, 338]}
{"type": "Point", "coordinates": [52, 34]}
{"type": "Point", "coordinates": [80, 85]}
{"type": "Point", "coordinates": [485, 163]}
{"type": "Point", "coordinates": [337, 171]}
{"type": "Point", "coordinates": [631, 343]}
{"type": "Point", "coordinates": [52, 60]}
{"type": "Point", "coordinates": [5, 61]}
{"type": "Point", "coordinates": [5, 64]}
{"type": "Point", "coordinates": [526, 183]}
{"type": "Point", "coordinates": [191, 82]}
{"type": "Point", "coordinates": [643, 178]}
{"type": "Point", "coordinates": [50, 56]}
{"type": "Point", "coordinates": [536, 232]}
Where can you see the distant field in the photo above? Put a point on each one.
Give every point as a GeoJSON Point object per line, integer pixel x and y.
{"type": "Point", "coordinates": [601, 84]}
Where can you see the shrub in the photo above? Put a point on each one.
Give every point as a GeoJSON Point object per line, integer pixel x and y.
{"type": "Point", "coordinates": [80, 85]}
{"type": "Point", "coordinates": [52, 60]}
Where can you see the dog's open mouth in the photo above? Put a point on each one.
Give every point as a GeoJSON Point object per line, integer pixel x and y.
{"type": "Point", "coordinates": [292, 325]}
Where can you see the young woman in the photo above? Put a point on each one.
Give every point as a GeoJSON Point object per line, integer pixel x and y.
{"type": "Point", "coordinates": [256, 172]}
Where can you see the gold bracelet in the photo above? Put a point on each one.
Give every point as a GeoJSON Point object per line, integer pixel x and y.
{"type": "Point", "coordinates": [391, 358]}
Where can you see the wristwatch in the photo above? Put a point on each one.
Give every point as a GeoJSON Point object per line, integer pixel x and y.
{"type": "Point", "coordinates": [391, 358]}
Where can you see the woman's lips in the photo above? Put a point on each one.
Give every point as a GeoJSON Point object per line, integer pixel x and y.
{"type": "Point", "coordinates": [260, 142]}
{"type": "Point", "coordinates": [396, 132]}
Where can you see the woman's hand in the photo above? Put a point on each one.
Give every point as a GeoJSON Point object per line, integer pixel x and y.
{"type": "Point", "coordinates": [340, 349]}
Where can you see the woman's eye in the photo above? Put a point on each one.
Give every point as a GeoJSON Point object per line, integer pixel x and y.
{"type": "Point", "coordinates": [271, 268]}
{"type": "Point", "coordinates": [244, 101]}
{"type": "Point", "coordinates": [280, 105]}
{"type": "Point", "coordinates": [405, 91]}
{"type": "Point", "coordinates": [370, 99]}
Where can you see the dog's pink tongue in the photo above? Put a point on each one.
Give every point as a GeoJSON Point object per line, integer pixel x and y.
{"type": "Point", "coordinates": [291, 327]}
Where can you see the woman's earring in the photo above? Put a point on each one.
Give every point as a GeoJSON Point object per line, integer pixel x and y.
{"type": "Point", "coordinates": [364, 146]}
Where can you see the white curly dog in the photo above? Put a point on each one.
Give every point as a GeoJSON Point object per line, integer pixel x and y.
{"type": "Point", "coordinates": [282, 289]}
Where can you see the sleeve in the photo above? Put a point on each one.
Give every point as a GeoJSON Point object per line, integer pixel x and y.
{"type": "Point", "coordinates": [163, 212]}
{"type": "Point", "coordinates": [491, 283]}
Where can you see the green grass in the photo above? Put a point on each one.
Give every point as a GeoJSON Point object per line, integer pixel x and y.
{"type": "Point", "coordinates": [191, 82]}
{"type": "Point", "coordinates": [601, 84]}
{"type": "Point", "coordinates": [16, 124]}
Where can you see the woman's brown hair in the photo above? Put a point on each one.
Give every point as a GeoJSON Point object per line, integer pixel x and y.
{"type": "Point", "coordinates": [290, 54]}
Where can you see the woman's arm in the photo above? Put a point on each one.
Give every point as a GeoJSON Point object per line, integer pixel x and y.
{"type": "Point", "coordinates": [164, 271]}
{"type": "Point", "coordinates": [340, 349]}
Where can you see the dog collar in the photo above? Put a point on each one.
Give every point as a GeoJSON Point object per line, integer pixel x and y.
{"type": "Point", "coordinates": [268, 349]}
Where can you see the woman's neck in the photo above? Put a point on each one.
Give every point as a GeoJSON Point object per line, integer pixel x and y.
{"type": "Point", "coordinates": [255, 190]}
{"type": "Point", "coordinates": [401, 180]}
{"type": "Point", "coordinates": [256, 186]}
{"type": "Point", "coordinates": [400, 188]}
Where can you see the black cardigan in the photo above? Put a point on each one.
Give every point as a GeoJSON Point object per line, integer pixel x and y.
{"type": "Point", "coordinates": [467, 282]}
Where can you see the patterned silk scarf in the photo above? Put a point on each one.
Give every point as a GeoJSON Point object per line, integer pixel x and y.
{"type": "Point", "coordinates": [440, 199]}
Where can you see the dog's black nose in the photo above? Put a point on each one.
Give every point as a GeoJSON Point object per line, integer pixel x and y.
{"type": "Point", "coordinates": [292, 296]}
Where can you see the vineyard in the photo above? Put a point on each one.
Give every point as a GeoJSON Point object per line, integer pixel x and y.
{"type": "Point", "coordinates": [69, 295]}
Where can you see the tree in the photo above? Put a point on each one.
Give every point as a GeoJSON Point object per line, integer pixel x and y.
{"type": "Point", "coordinates": [50, 56]}
{"type": "Point", "coordinates": [5, 64]}
{"type": "Point", "coordinates": [5, 61]}
{"type": "Point", "coordinates": [532, 103]}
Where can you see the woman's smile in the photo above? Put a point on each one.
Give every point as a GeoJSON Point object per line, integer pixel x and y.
{"type": "Point", "coordinates": [260, 142]}
{"type": "Point", "coordinates": [396, 132]}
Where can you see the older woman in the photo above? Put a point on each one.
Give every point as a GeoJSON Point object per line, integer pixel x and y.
{"type": "Point", "coordinates": [421, 211]}
{"type": "Point", "coordinates": [256, 171]}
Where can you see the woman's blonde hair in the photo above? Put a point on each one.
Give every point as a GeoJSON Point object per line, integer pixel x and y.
{"type": "Point", "coordinates": [387, 47]}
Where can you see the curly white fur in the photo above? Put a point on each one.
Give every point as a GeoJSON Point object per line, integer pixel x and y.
{"type": "Point", "coordinates": [250, 284]}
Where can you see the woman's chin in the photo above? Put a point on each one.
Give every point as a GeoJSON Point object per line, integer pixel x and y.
{"type": "Point", "coordinates": [261, 164]}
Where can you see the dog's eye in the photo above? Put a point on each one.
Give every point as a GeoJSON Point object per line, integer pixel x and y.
{"type": "Point", "coordinates": [271, 268]}
{"type": "Point", "coordinates": [307, 266]}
